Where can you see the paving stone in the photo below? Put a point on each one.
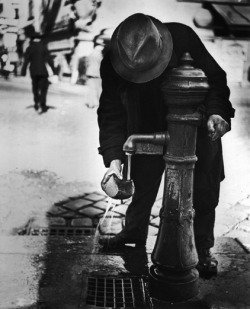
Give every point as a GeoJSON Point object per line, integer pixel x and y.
{"type": "Point", "coordinates": [110, 226]}
{"type": "Point", "coordinates": [82, 222]}
{"type": "Point", "coordinates": [152, 230]}
{"type": "Point", "coordinates": [56, 211]}
{"type": "Point", "coordinates": [155, 221]}
{"type": "Point", "coordinates": [95, 197]}
{"type": "Point", "coordinates": [230, 217]}
{"type": "Point", "coordinates": [244, 226]}
{"type": "Point", "coordinates": [242, 237]}
{"type": "Point", "coordinates": [70, 214]}
{"type": "Point", "coordinates": [102, 205]}
{"type": "Point", "coordinates": [77, 204]}
{"type": "Point", "coordinates": [155, 211]}
{"type": "Point", "coordinates": [220, 230]}
{"type": "Point", "coordinates": [246, 202]}
{"type": "Point", "coordinates": [91, 211]}
{"type": "Point", "coordinates": [244, 241]}
{"type": "Point", "coordinates": [127, 202]}
{"type": "Point", "coordinates": [121, 209]}
{"type": "Point", "coordinates": [112, 214]}
{"type": "Point", "coordinates": [57, 221]}
{"type": "Point", "coordinates": [243, 207]}
{"type": "Point", "coordinates": [236, 213]}
{"type": "Point", "coordinates": [158, 203]}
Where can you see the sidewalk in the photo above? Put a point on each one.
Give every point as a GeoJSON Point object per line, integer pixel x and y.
{"type": "Point", "coordinates": [71, 237]}
{"type": "Point", "coordinates": [54, 259]}
{"type": "Point", "coordinates": [61, 86]}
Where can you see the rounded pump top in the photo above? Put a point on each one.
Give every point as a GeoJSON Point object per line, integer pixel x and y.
{"type": "Point", "coordinates": [186, 76]}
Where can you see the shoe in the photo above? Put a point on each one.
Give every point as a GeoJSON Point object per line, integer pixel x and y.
{"type": "Point", "coordinates": [207, 265]}
{"type": "Point", "coordinates": [36, 107]}
{"type": "Point", "coordinates": [120, 240]}
{"type": "Point", "coordinates": [44, 109]}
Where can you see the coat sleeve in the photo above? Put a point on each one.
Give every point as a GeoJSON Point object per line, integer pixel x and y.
{"type": "Point", "coordinates": [49, 60]}
{"type": "Point", "coordinates": [112, 119]}
{"type": "Point", "coordinates": [27, 57]}
{"type": "Point", "coordinates": [217, 100]}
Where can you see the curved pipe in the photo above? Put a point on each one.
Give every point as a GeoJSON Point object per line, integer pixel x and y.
{"type": "Point", "coordinates": [156, 139]}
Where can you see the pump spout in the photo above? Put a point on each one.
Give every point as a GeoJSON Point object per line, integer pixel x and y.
{"type": "Point", "coordinates": [146, 143]}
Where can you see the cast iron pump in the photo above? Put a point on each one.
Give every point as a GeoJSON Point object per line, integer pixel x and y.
{"type": "Point", "coordinates": [173, 276]}
{"type": "Point", "coordinates": [174, 257]}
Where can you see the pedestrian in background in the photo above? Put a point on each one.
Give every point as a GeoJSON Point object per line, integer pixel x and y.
{"type": "Point", "coordinates": [93, 81]}
{"type": "Point", "coordinates": [37, 55]}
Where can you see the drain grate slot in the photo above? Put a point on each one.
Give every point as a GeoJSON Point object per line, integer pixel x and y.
{"type": "Point", "coordinates": [116, 292]}
{"type": "Point", "coordinates": [59, 231]}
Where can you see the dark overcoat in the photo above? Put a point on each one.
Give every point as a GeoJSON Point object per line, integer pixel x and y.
{"type": "Point", "coordinates": [127, 108]}
{"type": "Point", "coordinates": [37, 55]}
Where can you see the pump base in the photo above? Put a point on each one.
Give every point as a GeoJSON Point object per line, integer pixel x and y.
{"type": "Point", "coordinates": [173, 286]}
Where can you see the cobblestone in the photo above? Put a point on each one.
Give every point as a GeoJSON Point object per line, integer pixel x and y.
{"type": "Point", "coordinates": [110, 227]}
{"type": "Point", "coordinates": [77, 204]}
{"type": "Point", "coordinates": [155, 221]}
{"type": "Point", "coordinates": [152, 230]}
{"type": "Point", "coordinates": [94, 197]}
{"type": "Point", "coordinates": [121, 209]}
{"type": "Point", "coordinates": [112, 214]}
{"type": "Point", "coordinates": [102, 205]}
{"type": "Point", "coordinates": [155, 211]}
{"type": "Point", "coordinates": [91, 211]}
{"type": "Point", "coordinates": [57, 221]}
{"type": "Point", "coordinates": [70, 214]}
{"type": "Point", "coordinates": [56, 211]}
{"type": "Point", "coordinates": [242, 237]}
{"type": "Point", "coordinates": [244, 226]}
{"type": "Point", "coordinates": [158, 203]}
{"type": "Point", "coordinates": [230, 218]}
{"type": "Point", "coordinates": [246, 202]}
{"type": "Point", "coordinates": [82, 222]}
{"type": "Point", "coordinates": [243, 206]}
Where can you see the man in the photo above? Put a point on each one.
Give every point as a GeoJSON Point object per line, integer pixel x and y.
{"type": "Point", "coordinates": [38, 56]}
{"type": "Point", "coordinates": [142, 52]}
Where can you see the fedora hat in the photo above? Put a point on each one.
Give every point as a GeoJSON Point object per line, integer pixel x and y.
{"type": "Point", "coordinates": [141, 48]}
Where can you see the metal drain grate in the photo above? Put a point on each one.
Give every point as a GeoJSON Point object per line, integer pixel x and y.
{"type": "Point", "coordinates": [59, 231]}
{"type": "Point", "coordinates": [116, 292]}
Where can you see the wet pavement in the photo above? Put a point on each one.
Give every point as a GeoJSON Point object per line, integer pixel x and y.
{"type": "Point", "coordinates": [63, 272]}
{"type": "Point", "coordinates": [53, 212]}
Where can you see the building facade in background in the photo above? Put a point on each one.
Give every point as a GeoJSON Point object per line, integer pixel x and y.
{"type": "Point", "coordinates": [72, 29]}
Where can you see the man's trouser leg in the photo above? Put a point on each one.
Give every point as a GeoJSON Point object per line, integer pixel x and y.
{"type": "Point", "coordinates": [44, 85]}
{"type": "Point", "coordinates": [209, 172]}
{"type": "Point", "coordinates": [35, 90]}
{"type": "Point", "coordinates": [146, 173]}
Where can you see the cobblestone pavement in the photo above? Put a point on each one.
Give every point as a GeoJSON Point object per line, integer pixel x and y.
{"type": "Point", "coordinates": [87, 209]}
{"type": "Point", "coordinates": [94, 211]}
{"type": "Point", "coordinates": [37, 200]}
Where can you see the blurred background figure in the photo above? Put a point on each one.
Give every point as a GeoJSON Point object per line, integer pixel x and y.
{"type": "Point", "coordinates": [38, 56]}
{"type": "Point", "coordinates": [3, 61]}
{"type": "Point", "coordinates": [93, 76]}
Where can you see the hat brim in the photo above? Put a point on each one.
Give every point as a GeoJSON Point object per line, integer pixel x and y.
{"type": "Point", "coordinates": [149, 74]}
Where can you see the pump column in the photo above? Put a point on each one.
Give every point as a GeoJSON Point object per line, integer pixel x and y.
{"type": "Point", "coordinates": [173, 274]}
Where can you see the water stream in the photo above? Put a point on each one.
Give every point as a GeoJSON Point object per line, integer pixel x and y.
{"type": "Point", "coordinates": [110, 207]}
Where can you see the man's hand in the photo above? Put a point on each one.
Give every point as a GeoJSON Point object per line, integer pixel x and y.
{"type": "Point", "coordinates": [217, 127]}
{"type": "Point", "coordinates": [115, 168]}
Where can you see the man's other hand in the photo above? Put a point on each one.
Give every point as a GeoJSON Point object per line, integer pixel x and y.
{"type": "Point", "coordinates": [217, 127]}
